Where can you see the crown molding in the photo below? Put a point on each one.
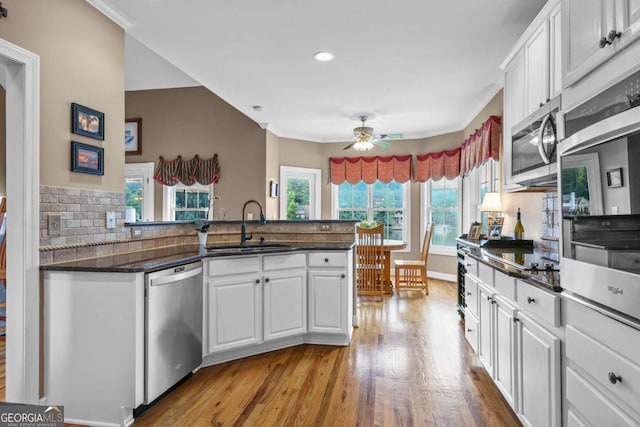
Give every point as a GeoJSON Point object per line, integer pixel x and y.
{"type": "Point", "coordinates": [112, 13]}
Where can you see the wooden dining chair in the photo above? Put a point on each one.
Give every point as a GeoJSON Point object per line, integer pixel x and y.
{"type": "Point", "coordinates": [412, 274]}
{"type": "Point", "coordinates": [370, 261]}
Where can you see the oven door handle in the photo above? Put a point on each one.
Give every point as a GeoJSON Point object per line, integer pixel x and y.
{"type": "Point", "coordinates": [543, 154]}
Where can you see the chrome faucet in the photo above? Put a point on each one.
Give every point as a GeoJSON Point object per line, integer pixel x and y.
{"type": "Point", "coordinates": [243, 230]}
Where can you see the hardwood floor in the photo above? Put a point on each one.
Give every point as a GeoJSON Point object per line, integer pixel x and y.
{"type": "Point", "coordinates": [408, 365]}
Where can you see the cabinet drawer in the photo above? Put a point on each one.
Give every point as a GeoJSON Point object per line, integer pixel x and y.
{"type": "Point", "coordinates": [485, 273]}
{"type": "Point", "coordinates": [505, 285]}
{"type": "Point", "coordinates": [541, 303]}
{"type": "Point", "coordinates": [471, 264]}
{"type": "Point", "coordinates": [592, 404]}
{"type": "Point", "coordinates": [279, 262]}
{"type": "Point", "coordinates": [471, 294]}
{"type": "Point", "coordinates": [601, 363]}
{"type": "Point", "coordinates": [471, 330]}
{"type": "Point", "coordinates": [239, 265]}
{"type": "Point", "coordinates": [327, 259]}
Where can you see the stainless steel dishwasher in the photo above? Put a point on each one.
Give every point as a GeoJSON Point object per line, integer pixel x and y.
{"type": "Point", "coordinates": [173, 327]}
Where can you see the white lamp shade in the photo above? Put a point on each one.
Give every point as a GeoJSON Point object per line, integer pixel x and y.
{"type": "Point", "coordinates": [491, 203]}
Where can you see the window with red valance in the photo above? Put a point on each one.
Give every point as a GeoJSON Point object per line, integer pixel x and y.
{"type": "Point", "coordinates": [370, 169]}
{"type": "Point", "coordinates": [482, 145]}
{"type": "Point", "coordinates": [437, 165]}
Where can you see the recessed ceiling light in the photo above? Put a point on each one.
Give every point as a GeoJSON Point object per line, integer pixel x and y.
{"type": "Point", "coordinates": [324, 56]}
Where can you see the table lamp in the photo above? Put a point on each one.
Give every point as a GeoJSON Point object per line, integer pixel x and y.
{"type": "Point", "coordinates": [491, 203]}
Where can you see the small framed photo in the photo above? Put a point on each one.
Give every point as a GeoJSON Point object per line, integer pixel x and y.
{"type": "Point", "coordinates": [273, 189]}
{"type": "Point", "coordinates": [474, 231]}
{"type": "Point", "coordinates": [87, 158]}
{"type": "Point", "coordinates": [133, 136]}
{"type": "Point", "coordinates": [87, 122]}
{"type": "Point", "coordinates": [495, 231]}
{"type": "Point", "coordinates": [614, 178]}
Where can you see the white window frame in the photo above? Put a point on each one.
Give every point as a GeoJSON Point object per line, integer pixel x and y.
{"type": "Point", "coordinates": [144, 170]}
{"type": "Point", "coordinates": [315, 189]}
{"type": "Point", "coordinates": [407, 209]}
{"type": "Point", "coordinates": [169, 199]}
{"type": "Point", "coordinates": [425, 211]}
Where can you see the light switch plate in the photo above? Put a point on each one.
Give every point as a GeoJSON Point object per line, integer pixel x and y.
{"type": "Point", "coordinates": [54, 224]}
{"type": "Point", "coordinates": [111, 220]}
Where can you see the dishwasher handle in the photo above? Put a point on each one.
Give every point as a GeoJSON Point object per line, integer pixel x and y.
{"type": "Point", "coordinates": [175, 277]}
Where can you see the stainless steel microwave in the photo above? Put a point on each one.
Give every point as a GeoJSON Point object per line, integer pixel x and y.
{"type": "Point", "coordinates": [600, 192]}
{"type": "Point", "coordinates": [533, 146]}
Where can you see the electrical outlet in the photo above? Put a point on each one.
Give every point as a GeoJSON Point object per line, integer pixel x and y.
{"type": "Point", "coordinates": [111, 220]}
{"type": "Point", "coordinates": [136, 232]}
{"type": "Point", "coordinates": [325, 227]}
{"type": "Point", "coordinates": [54, 224]}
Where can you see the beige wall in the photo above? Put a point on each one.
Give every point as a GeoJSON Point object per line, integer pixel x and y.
{"type": "Point", "coordinates": [190, 121]}
{"type": "Point", "coordinates": [81, 60]}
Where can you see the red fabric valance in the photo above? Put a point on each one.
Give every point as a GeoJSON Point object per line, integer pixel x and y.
{"type": "Point", "coordinates": [482, 145]}
{"type": "Point", "coordinates": [370, 169]}
{"type": "Point", "coordinates": [436, 165]}
{"type": "Point", "coordinates": [188, 172]}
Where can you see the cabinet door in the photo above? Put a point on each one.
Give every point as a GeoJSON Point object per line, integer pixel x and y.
{"type": "Point", "coordinates": [285, 304]}
{"type": "Point", "coordinates": [485, 318]}
{"type": "Point", "coordinates": [505, 347]}
{"type": "Point", "coordinates": [234, 312]}
{"type": "Point", "coordinates": [536, 62]}
{"type": "Point", "coordinates": [627, 21]}
{"type": "Point", "coordinates": [513, 109]}
{"type": "Point", "coordinates": [328, 301]}
{"type": "Point", "coordinates": [539, 374]}
{"type": "Point", "coordinates": [555, 52]}
{"type": "Point", "coordinates": [585, 22]}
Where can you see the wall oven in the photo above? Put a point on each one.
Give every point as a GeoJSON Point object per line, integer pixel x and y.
{"type": "Point", "coordinates": [600, 187]}
{"type": "Point", "coordinates": [533, 146]}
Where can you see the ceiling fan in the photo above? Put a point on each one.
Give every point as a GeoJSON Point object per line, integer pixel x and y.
{"type": "Point", "coordinates": [364, 139]}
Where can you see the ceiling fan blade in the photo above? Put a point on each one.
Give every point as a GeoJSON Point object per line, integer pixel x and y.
{"type": "Point", "coordinates": [381, 143]}
{"type": "Point", "coordinates": [349, 146]}
{"type": "Point", "coordinates": [390, 136]}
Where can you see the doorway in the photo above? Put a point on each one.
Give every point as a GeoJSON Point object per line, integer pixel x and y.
{"type": "Point", "coordinates": [300, 193]}
{"type": "Point", "coordinates": [20, 77]}
{"type": "Point", "coordinates": [138, 191]}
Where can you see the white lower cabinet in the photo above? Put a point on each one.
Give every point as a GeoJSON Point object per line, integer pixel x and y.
{"type": "Point", "coordinates": [518, 343]}
{"type": "Point", "coordinates": [258, 303]}
{"type": "Point", "coordinates": [539, 373]}
{"type": "Point", "coordinates": [285, 303]}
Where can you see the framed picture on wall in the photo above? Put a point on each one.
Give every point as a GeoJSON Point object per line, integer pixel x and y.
{"type": "Point", "coordinates": [133, 136]}
{"type": "Point", "coordinates": [87, 122]}
{"type": "Point", "coordinates": [87, 158]}
{"type": "Point", "coordinates": [614, 178]}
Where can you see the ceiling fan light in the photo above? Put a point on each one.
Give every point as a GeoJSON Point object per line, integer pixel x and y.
{"type": "Point", "coordinates": [363, 145]}
{"type": "Point", "coordinates": [324, 56]}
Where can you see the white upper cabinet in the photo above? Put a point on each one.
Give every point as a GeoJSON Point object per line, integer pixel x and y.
{"type": "Point", "coordinates": [536, 61]}
{"type": "Point", "coordinates": [595, 30]}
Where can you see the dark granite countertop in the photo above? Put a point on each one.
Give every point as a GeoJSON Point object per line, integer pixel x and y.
{"type": "Point", "coordinates": [498, 258]}
{"type": "Point", "coordinates": [158, 259]}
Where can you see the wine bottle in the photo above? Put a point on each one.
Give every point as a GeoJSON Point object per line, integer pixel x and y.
{"type": "Point", "coordinates": [518, 230]}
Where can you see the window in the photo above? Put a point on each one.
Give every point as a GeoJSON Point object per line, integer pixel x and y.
{"type": "Point", "coordinates": [182, 202]}
{"type": "Point", "coordinates": [489, 180]}
{"type": "Point", "coordinates": [388, 203]}
{"type": "Point", "coordinates": [442, 202]}
{"type": "Point", "coordinates": [138, 190]}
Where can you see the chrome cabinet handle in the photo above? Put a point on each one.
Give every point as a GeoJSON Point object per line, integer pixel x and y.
{"type": "Point", "coordinates": [613, 34]}
{"type": "Point", "coordinates": [257, 280]}
{"type": "Point", "coordinates": [468, 294]}
{"type": "Point", "coordinates": [266, 280]}
{"type": "Point", "coordinates": [326, 260]}
{"type": "Point", "coordinates": [469, 330]}
{"type": "Point", "coordinates": [342, 276]}
{"type": "Point", "coordinates": [613, 378]}
{"type": "Point", "coordinates": [531, 300]}
{"type": "Point", "coordinates": [516, 320]}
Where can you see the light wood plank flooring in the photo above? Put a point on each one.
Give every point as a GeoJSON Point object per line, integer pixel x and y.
{"type": "Point", "coordinates": [408, 365]}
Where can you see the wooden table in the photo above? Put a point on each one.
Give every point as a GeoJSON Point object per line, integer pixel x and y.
{"type": "Point", "coordinates": [390, 245]}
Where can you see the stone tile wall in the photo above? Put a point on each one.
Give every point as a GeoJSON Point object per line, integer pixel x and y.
{"type": "Point", "coordinates": [141, 236]}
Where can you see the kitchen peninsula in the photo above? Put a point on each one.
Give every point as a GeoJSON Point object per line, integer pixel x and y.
{"type": "Point", "coordinates": [254, 298]}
